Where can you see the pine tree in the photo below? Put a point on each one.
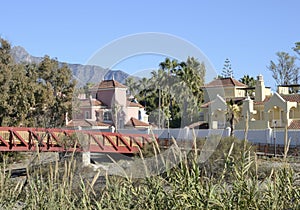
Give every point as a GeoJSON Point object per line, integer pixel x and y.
{"type": "Point", "coordinates": [227, 70]}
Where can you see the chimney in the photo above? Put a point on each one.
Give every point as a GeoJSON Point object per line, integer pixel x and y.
{"type": "Point", "coordinates": [260, 94]}
{"type": "Point", "coordinates": [247, 107]}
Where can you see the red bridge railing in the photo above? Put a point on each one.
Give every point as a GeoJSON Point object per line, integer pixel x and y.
{"type": "Point", "coordinates": [54, 140]}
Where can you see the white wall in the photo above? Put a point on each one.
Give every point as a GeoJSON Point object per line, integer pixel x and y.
{"type": "Point", "coordinates": [267, 136]}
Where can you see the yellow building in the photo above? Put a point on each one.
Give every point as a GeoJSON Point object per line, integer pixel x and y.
{"type": "Point", "coordinates": [263, 108]}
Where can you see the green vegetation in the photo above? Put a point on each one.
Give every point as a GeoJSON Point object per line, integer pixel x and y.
{"type": "Point", "coordinates": [285, 72]}
{"type": "Point", "coordinates": [173, 91]}
{"type": "Point", "coordinates": [250, 82]}
{"type": "Point", "coordinates": [227, 71]}
{"type": "Point", "coordinates": [236, 183]}
{"type": "Point", "coordinates": [233, 114]}
{"type": "Point", "coordinates": [34, 95]}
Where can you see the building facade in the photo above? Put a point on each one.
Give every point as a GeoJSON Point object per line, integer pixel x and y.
{"type": "Point", "coordinates": [108, 106]}
{"type": "Point", "coordinates": [261, 109]}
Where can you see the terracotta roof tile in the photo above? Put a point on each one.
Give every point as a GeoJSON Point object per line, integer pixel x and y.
{"type": "Point", "coordinates": [87, 102]}
{"type": "Point", "coordinates": [82, 123]}
{"type": "Point", "coordinates": [96, 102]}
{"type": "Point", "coordinates": [103, 124]}
{"type": "Point", "coordinates": [134, 104]}
{"type": "Point", "coordinates": [197, 124]}
{"type": "Point", "coordinates": [85, 123]}
{"type": "Point", "coordinates": [110, 84]}
{"type": "Point", "coordinates": [291, 97]}
{"type": "Point", "coordinates": [206, 105]}
{"type": "Point", "coordinates": [135, 122]}
{"type": "Point", "coordinates": [225, 82]}
{"type": "Point", "coordinates": [262, 102]}
{"type": "Point", "coordinates": [295, 124]}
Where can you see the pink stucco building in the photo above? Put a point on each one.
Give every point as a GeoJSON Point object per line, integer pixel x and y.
{"type": "Point", "coordinates": [107, 106]}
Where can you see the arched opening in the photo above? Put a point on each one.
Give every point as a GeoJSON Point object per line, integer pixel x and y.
{"type": "Point", "coordinates": [292, 112]}
{"type": "Point", "coordinates": [276, 116]}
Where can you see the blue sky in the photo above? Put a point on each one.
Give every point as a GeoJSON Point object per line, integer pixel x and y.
{"type": "Point", "coordinates": [249, 33]}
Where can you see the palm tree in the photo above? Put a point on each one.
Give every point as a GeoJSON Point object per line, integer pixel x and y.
{"type": "Point", "coordinates": [155, 95]}
{"type": "Point", "coordinates": [250, 82]}
{"type": "Point", "coordinates": [130, 83]}
{"type": "Point", "coordinates": [247, 80]}
{"type": "Point", "coordinates": [191, 76]}
{"type": "Point", "coordinates": [175, 89]}
{"type": "Point", "coordinates": [170, 67]}
{"type": "Point", "coordinates": [233, 114]}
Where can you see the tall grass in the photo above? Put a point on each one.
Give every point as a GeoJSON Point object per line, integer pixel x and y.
{"type": "Point", "coordinates": [229, 180]}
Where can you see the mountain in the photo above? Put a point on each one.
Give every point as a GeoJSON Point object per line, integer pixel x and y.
{"type": "Point", "coordinates": [82, 73]}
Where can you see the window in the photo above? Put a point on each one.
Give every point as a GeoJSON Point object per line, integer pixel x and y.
{"type": "Point", "coordinates": [107, 116]}
{"type": "Point", "coordinates": [87, 115]}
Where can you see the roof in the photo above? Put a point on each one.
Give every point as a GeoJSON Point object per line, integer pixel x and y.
{"type": "Point", "coordinates": [134, 104]}
{"type": "Point", "coordinates": [267, 98]}
{"type": "Point", "coordinates": [110, 84]}
{"type": "Point", "coordinates": [136, 123]}
{"type": "Point", "coordinates": [225, 82]}
{"type": "Point", "coordinates": [295, 124]}
{"type": "Point", "coordinates": [87, 102]}
{"type": "Point", "coordinates": [198, 124]}
{"type": "Point", "coordinates": [236, 100]}
{"type": "Point", "coordinates": [206, 105]}
{"type": "Point", "coordinates": [85, 123]}
{"type": "Point", "coordinates": [291, 97]}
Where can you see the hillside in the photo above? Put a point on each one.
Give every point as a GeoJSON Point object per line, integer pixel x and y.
{"type": "Point", "coordinates": [82, 73]}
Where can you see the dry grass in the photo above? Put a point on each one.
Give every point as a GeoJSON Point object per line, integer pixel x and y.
{"type": "Point", "coordinates": [237, 184]}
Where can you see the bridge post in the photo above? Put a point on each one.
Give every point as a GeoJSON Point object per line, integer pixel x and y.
{"type": "Point", "coordinates": [85, 140]}
{"type": "Point", "coordinates": [86, 158]}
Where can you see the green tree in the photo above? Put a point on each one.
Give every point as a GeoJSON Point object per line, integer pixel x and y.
{"type": "Point", "coordinates": [297, 48]}
{"type": "Point", "coordinates": [227, 70]}
{"type": "Point", "coordinates": [285, 72]}
{"type": "Point", "coordinates": [249, 81]}
{"type": "Point", "coordinates": [6, 64]}
{"type": "Point", "coordinates": [156, 97]}
{"type": "Point", "coordinates": [55, 92]}
{"type": "Point", "coordinates": [33, 94]}
{"type": "Point", "coordinates": [131, 85]}
{"type": "Point", "coordinates": [191, 76]}
{"type": "Point", "coordinates": [21, 97]}
{"type": "Point", "coordinates": [233, 114]}
{"type": "Point", "coordinates": [173, 94]}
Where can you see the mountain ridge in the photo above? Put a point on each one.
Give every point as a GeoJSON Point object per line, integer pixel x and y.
{"type": "Point", "coordinates": [82, 73]}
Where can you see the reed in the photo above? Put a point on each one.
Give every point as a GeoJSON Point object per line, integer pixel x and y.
{"type": "Point", "coordinates": [186, 185]}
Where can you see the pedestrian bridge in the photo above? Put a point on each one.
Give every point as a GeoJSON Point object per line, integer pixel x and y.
{"type": "Point", "coordinates": [59, 140]}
